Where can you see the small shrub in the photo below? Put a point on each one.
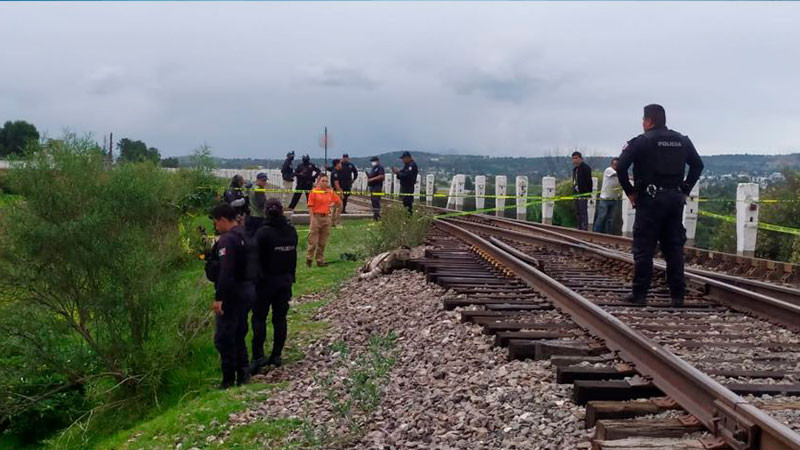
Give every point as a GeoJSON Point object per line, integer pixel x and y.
{"type": "Point", "coordinates": [398, 228]}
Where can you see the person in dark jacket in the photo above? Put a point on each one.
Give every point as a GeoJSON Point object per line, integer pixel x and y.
{"type": "Point", "coordinates": [375, 177]}
{"type": "Point", "coordinates": [237, 197]}
{"type": "Point", "coordinates": [287, 174]}
{"type": "Point", "coordinates": [227, 267]}
{"type": "Point", "coordinates": [581, 184]}
{"type": "Point", "coordinates": [277, 246]}
{"type": "Point", "coordinates": [306, 173]}
{"type": "Point", "coordinates": [408, 178]}
{"type": "Point", "coordinates": [659, 157]}
{"type": "Point", "coordinates": [349, 173]}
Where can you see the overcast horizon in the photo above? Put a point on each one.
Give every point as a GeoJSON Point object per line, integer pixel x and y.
{"type": "Point", "coordinates": [253, 80]}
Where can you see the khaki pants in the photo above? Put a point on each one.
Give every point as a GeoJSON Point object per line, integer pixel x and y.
{"type": "Point", "coordinates": [318, 237]}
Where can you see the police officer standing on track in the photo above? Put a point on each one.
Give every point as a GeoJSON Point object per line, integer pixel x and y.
{"type": "Point", "coordinates": [348, 173]}
{"type": "Point", "coordinates": [287, 174]}
{"type": "Point", "coordinates": [408, 178]}
{"type": "Point", "coordinates": [375, 177]}
{"type": "Point", "coordinates": [277, 246]}
{"type": "Point", "coordinates": [236, 196]}
{"type": "Point", "coordinates": [232, 269]}
{"type": "Point", "coordinates": [659, 157]}
{"type": "Point", "coordinates": [306, 173]}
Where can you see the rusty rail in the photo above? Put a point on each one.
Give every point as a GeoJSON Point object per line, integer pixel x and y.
{"type": "Point", "coordinates": [728, 416]}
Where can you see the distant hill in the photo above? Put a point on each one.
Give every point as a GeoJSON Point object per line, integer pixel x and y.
{"type": "Point", "coordinates": [535, 167]}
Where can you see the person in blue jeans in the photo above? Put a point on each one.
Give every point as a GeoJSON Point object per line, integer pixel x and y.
{"type": "Point", "coordinates": [609, 200]}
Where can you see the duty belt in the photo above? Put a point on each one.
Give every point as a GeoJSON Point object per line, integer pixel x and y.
{"type": "Point", "coordinates": [652, 189]}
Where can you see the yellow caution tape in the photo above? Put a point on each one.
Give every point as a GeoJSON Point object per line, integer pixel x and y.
{"type": "Point", "coordinates": [762, 225]}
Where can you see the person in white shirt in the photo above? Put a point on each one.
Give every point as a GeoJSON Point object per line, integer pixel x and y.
{"type": "Point", "coordinates": [609, 199]}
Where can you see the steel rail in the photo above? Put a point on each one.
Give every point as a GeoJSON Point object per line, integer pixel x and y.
{"type": "Point", "coordinates": [774, 310]}
{"type": "Point", "coordinates": [727, 415]}
{"type": "Point", "coordinates": [776, 291]}
{"type": "Point", "coordinates": [623, 241]}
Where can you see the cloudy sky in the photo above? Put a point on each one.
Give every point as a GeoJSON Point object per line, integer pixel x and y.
{"type": "Point", "coordinates": [255, 79]}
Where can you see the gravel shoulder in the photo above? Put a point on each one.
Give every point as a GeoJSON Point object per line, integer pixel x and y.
{"type": "Point", "coordinates": [448, 388]}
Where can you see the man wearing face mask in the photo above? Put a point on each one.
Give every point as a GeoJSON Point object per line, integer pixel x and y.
{"type": "Point", "coordinates": [659, 157]}
{"type": "Point", "coordinates": [375, 176]}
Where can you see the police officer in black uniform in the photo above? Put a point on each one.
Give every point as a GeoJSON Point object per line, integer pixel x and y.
{"type": "Point", "coordinates": [659, 157]}
{"type": "Point", "coordinates": [408, 178]}
{"type": "Point", "coordinates": [306, 172]}
{"type": "Point", "coordinates": [348, 175]}
{"type": "Point", "coordinates": [277, 246]}
{"type": "Point", "coordinates": [375, 177]}
{"type": "Point", "coordinates": [236, 196]}
{"type": "Point", "coordinates": [232, 268]}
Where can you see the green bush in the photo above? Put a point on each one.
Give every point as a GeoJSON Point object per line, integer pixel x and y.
{"type": "Point", "coordinates": [88, 264]}
{"type": "Point", "coordinates": [398, 228]}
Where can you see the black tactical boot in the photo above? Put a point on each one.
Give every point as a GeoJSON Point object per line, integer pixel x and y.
{"type": "Point", "coordinates": [274, 361]}
{"type": "Point", "coordinates": [630, 298]}
{"type": "Point", "coordinates": [243, 376]}
{"type": "Point", "coordinates": [228, 379]}
{"type": "Point", "coordinates": [257, 365]}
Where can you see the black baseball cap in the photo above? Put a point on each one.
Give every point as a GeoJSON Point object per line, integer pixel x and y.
{"type": "Point", "coordinates": [261, 176]}
{"type": "Point", "coordinates": [374, 158]}
{"type": "Point", "coordinates": [405, 154]}
{"type": "Point", "coordinates": [345, 155]}
{"type": "Point", "coordinates": [273, 205]}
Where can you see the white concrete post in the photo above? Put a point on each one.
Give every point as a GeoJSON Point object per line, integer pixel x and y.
{"type": "Point", "coordinates": [746, 218]}
{"type": "Point", "coordinates": [522, 197]}
{"type": "Point", "coordinates": [500, 184]}
{"type": "Point", "coordinates": [455, 199]}
{"type": "Point", "coordinates": [429, 186]}
{"type": "Point", "coordinates": [480, 191]}
{"type": "Point", "coordinates": [690, 214]}
{"type": "Point", "coordinates": [628, 216]}
{"type": "Point", "coordinates": [591, 205]}
{"type": "Point", "coordinates": [387, 184]}
{"type": "Point", "coordinates": [548, 192]}
{"type": "Point", "coordinates": [417, 186]}
{"type": "Point", "coordinates": [460, 182]}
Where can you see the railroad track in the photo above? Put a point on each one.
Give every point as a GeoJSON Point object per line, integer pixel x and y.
{"type": "Point", "coordinates": [776, 279]}
{"type": "Point", "coordinates": [545, 297]}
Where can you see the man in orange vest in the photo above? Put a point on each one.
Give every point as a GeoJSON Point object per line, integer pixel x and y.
{"type": "Point", "coordinates": [320, 201]}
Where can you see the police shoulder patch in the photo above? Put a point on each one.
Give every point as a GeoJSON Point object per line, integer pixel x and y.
{"type": "Point", "coordinates": [222, 252]}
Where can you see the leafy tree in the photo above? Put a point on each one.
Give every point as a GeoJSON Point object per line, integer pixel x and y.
{"type": "Point", "coordinates": [88, 262]}
{"type": "Point", "coordinates": [136, 151]}
{"type": "Point", "coordinates": [15, 136]}
{"type": "Point", "coordinates": [170, 163]}
{"type": "Point", "coordinates": [776, 245]}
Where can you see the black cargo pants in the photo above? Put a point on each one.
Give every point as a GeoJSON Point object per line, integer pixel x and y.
{"type": "Point", "coordinates": [274, 292]}
{"type": "Point", "coordinates": [231, 330]}
{"type": "Point", "coordinates": [659, 219]}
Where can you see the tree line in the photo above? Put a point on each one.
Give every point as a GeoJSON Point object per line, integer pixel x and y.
{"type": "Point", "coordinates": [16, 136]}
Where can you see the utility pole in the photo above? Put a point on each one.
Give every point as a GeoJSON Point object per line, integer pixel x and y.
{"type": "Point", "coordinates": [326, 145]}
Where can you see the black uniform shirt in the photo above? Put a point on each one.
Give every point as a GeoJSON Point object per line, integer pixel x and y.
{"type": "Point", "coordinates": [408, 177]}
{"type": "Point", "coordinates": [286, 170]}
{"type": "Point", "coordinates": [374, 172]}
{"type": "Point", "coordinates": [659, 157]}
{"type": "Point", "coordinates": [337, 175]}
{"type": "Point", "coordinates": [349, 174]}
{"type": "Point", "coordinates": [306, 174]}
{"type": "Point", "coordinates": [277, 246]}
{"type": "Point", "coordinates": [230, 251]}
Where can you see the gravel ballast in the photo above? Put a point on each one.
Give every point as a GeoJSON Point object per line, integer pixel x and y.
{"type": "Point", "coordinates": [449, 386]}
